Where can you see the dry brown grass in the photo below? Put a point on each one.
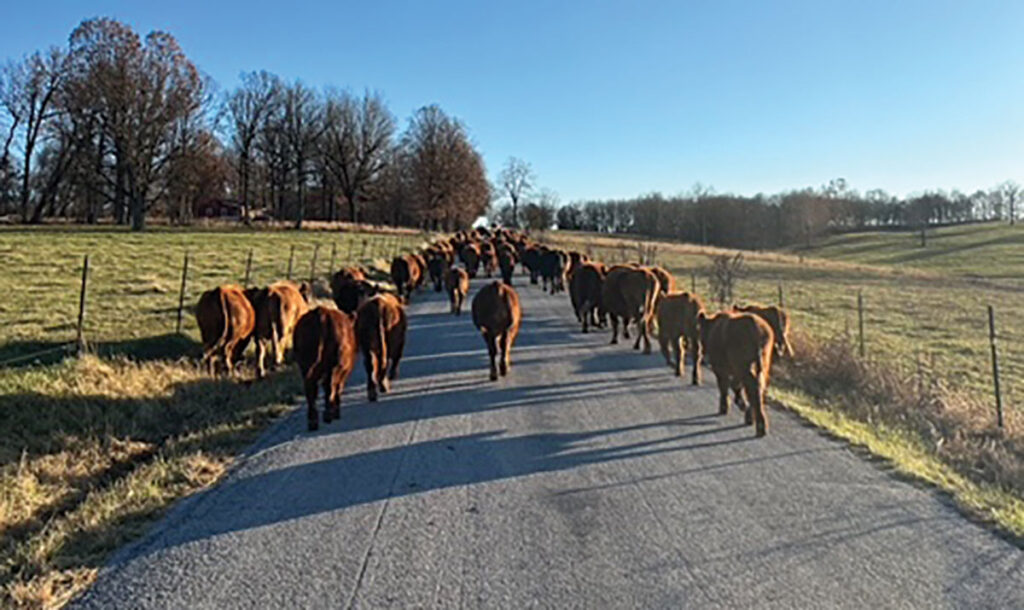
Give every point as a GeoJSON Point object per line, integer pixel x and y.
{"type": "Point", "coordinates": [96, 449]}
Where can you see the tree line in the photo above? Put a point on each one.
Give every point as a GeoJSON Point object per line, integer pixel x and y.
{"type": "Point", "coordinates": [123, 127]}
{"type": "Point", "coordinates": [785, 219]}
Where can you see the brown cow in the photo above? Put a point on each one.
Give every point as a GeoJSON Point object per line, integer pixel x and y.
{"type": "Point", "coordinates": [437, 264]}
{"type": "Point", "coordinates": [348, 287]}
{"type": "Point", "coordinates": [226, 320]}
{"type": "Point", "coordinates": [405, 274]}
{"type": "Point", "coordinates": [507, 264]}
{"type": "Point", "coordinates": [380, 327]}
{"type": "Point", "coordinates": [470, 256]}
{"type": "Point", "coordinates": [631, 294]}
{"type": "Point", "coordinates": [585, 293]}
{"type": "Point", "coordinates": [456, 283]}
{"type": "Point", "coordinates": [278, 307]}
{"type": "Point", "coordinates": [738, 346]}
{"type": "Point", "coordinates": [496, 313]}
{"type": "Point", "coordinates": [677, 328]}
{"type": "Point", "coordinates": [778, 319]}
{"type": "Point", "coordinates": [325, 351]}
{"type": "Point", "coordinates": [488, 259]}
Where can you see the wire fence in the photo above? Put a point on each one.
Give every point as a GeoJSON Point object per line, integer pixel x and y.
{"type": "Point", "coordinates": [136, 298]}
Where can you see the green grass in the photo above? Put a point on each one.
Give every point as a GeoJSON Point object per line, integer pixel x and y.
{"type": "Point", "coordinates": [993, 251]}
{"type": "Point", "coordinates": [911, 316]}
{"type": "Point", "coordinates": [93, 449]}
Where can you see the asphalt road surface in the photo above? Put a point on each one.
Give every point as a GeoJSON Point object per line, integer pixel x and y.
{"type": "Point", "coordinates": [590, 477]}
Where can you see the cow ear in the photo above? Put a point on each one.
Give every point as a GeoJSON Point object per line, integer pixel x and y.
{"type": "Point", "coordinates": [701, 317]}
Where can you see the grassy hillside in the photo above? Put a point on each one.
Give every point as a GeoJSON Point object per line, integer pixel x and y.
{"type": "Point", "coordinates": [992, 251]}
{"type": "Point", "coordinates": [92, 449]}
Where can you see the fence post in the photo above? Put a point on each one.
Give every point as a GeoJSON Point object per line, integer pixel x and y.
{"type": "Point", "coordinates": [860, 320]}
{"type": "Point", "coordinates": [291, 257]}
{"type": "Point", "coordinates": [181, 292]}
{"type": "Point", "coordinates": [362, 254]}
{"type": "Point", "coordinates": [781, 302]}
{"type": "Point", "coordinates": [351, 246]}
{"type": "Point", "coordinates": [330, 269]}
{"type": "Point", "coordinates": [80, 339]}
{"type": "Point", "coordinates": [995, 364]}
{"type": "Point", "coordinates": [693, 282]}
{"type": "Point", "coordinates": [248, 268]}
{"type": "Point", "coordinates": [312, 265]}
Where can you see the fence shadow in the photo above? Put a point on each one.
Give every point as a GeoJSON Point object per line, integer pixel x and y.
{"type": "Point", "coordinates": [30, 353]}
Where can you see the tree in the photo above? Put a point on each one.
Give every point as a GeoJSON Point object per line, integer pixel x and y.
{"type": "Point", "coordinates": [446, 174]}
{"type": "Point", "coordinates": [516, 181]}
{"type": "Point", "coordinates": [249, 107]}
{"type": "Point", "coordinates": [303, 127]}
{"type": "Point", "coordinates": [1010, 194]}
{"type": "Point", "coordinates": [29, 92]}
{"type": "Point", "coordinates": [359, 136]}
{"type": "Point", "coordinates": [138, 90]}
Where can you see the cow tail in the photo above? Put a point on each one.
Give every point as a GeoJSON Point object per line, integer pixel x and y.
{"type": "Point", "coordinates": [316, 371]}
{"type": "Point", "coordinates": [225, 333]}
{"type": "Point", "coordinates": [382, 359]}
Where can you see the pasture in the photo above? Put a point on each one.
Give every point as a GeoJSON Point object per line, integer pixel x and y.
{"type": "Point", "coordinates": [93, 449]}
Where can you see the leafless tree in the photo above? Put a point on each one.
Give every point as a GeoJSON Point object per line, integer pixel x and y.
{"type": "Point", "coordinates": [358, 136]}
{"type": "Point", "coordinates": [249, 107]}
{"type": "Point", "coordinates": [1010, 194]}
{"type": "Point", "coordinates": [303, 127]}
{"type": "Point", "coordinates": [29, 93]}
{"type": "Point", "coordinates": [446, 173]}
{"type": "Point", "coordinates": [516, 181]}
{"type": "Point", "coordinates": [723, 274]}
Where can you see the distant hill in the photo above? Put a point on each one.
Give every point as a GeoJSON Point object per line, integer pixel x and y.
{"type": "Point", "coordinates": [994, 251]}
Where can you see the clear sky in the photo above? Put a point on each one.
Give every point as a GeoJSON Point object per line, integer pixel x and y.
{"type": "Point", "coordinates": [617, 99]}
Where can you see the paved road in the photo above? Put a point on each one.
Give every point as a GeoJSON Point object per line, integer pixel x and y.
{"type": "Point", "coordinates": [590, 477]}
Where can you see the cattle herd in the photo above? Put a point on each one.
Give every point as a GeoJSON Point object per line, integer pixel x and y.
{"type": "Point", "coordinates": [738, 344]}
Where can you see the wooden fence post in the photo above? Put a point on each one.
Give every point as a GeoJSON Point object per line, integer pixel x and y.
{"type": "Point", "coordinates": [312, 264]}
{"type": "Point", "coordinates": [181, 292]}
{"type": "Point", "coordinates": [995, 364]}
{"type": "Point", "coordinates": [291, 257]}
{"type": "Point", "coordinates": [80, 339]}
{"type": "Point", "coordinates": [782, 304]}
{"type": "Point", "coordinates": [860, 320]}
{"type": "Point", "coordinates": [248, 268]}
{"type": "Point", "coordinates": [330, 269]}
{"type": "Point", "coordinates": [693, 282]}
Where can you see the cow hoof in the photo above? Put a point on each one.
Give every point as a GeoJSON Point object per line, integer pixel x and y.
{"type": "Point", "coordinates": [372, 396]}
{"type": "Point", "coordinates": [494, 375]}
{"type": "Point", "coordinates": [313, 425]}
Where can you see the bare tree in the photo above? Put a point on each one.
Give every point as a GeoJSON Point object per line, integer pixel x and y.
{"type": "Point", "coordinates": [303, 127]}
{"type": "Point", "coordinates": [516, 181]}
{"type": "Point", "coordinates": [723, 274]}
{"type": "Point", "coordinates": [249, 107]}
{"type": "Point", "coordinates": [140, 90]}
{"type": "Point", "coordinates": [359, 135]}
{"type": "Point", "coordinates": [1010, 194]}
{"type": "Point", "coordinates": [29, 94]}
{"type": "Point", "coordinates": [446, 173]}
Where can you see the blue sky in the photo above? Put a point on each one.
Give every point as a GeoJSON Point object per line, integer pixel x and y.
{"type": "Point", "coordinates": [617, 99]}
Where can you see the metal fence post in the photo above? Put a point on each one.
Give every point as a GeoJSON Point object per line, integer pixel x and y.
{"type": "Point", "coordinates": [995, 364]}
{"type": "Point", "coordinates": [248, 268]}
{"type": "Point", "coordinates": [80, 339]}
{"type": "Point", "coordinates": [181, 292]}
{"type": "Point", "coordinates": [312, 265]}
{"type": "Point", "coordinates": [860, 320]}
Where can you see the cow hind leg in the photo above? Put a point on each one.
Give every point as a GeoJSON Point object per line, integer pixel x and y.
{"type": "Point", "coordinates": [492, 353]}
{"type": "Point", "coordinates": [757, 414]}
{"type": "Point", "coordinates": [370, 363]}
{"type": "Point", "coordinates": [397, 348]}
{"type": "Point", "coordinates": [723, 392]}
{"type": "Point", "coordinates": [506, 352]}
{"type": "Point", "coordinates": [312, 417]}
{"type": "Point", "coordinates": [615, 329]}
{"type": "Point", "coordinates": [680, 354]}
{"type": "Point", "coordinates": [698, 357]}
{"type": "Point", "coordinates": [261, 355]}
{"type": "Point", "coordinates": [663, 343]}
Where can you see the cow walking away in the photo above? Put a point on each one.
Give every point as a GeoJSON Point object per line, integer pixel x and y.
{"type": "Point", "coordinates": [778, 319]}
{"type": "Point", "coordinates": [496, 313]}
{"type": "Point", "coordinates": [325, 352]}
{"type": "Point", "coordinates": [507, 264]}
{"type": "Point", "coordinates": [585, 294]}
{"type": "Point", "coordinates": [278, 308]}
{"type": "Point", "coordinates": [739, 346]}
{"type": "Point", "coordinates": [226, 321]}
{"type": "Point", "coordinates": [470, 256]}
{"type": "Point", "coordinates": [349, 287]}
{"type": "Point", "coordinates": [456, 283]}
{"type": "Point", "coordinates": [380, 328]}
{"type": "Point", "coordinates": [406, 274]}
{"type": "Point", "coordinates": [630, 293]}
{"type": "Point", "coordinates": [677, 331]}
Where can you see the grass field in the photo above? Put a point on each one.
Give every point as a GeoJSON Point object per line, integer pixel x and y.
{"type": "Point", "coordinates": [994, 252]}
{"type": "Point", "coordinates": [93, 449]}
